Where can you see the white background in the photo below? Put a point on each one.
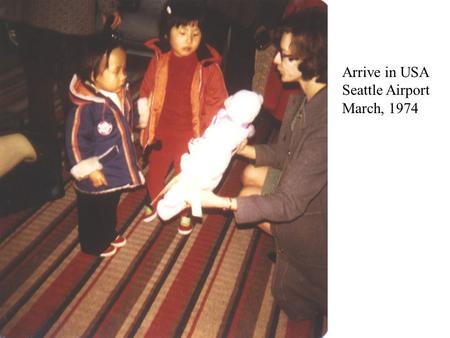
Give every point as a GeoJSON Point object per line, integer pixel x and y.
{"type": "Point", "coordinates": [389, 177]}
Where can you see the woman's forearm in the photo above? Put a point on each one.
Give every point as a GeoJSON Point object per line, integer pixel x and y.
{"type": "Point", "coordinates": [211, 200]}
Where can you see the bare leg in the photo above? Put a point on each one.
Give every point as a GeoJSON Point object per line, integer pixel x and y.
{"type": "Point", "coordinates": [254, 176]}
{"type": "Point", "coordinates": [14, 148]}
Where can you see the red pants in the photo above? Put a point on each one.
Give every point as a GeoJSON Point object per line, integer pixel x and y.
{"type": "Point", "coordinates": [173, 145]}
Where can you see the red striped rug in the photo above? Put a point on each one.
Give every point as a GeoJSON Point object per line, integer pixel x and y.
{"type": "Point", "coordinates": [213, 283]}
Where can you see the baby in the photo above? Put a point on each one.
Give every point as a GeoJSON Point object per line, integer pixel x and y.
{"type": "Point", "coordinates": [209, 155]}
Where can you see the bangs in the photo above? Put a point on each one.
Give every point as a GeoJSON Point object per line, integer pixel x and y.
{"type": "Point", "coordinates": [180, 14]}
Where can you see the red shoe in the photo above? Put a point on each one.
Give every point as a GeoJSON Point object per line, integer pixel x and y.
{"type": "Point", "coordinates": [110, 251]}
{"type": "Point", "coordinates": [185, 227]}
{"type": "Point", "coordinates": [119, 242]}
{"type": "Point", "coordinates": [149, 214]}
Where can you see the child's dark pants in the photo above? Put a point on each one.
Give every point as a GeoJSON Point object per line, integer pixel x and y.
{"type": "Point", "coordinates": [97, 217]}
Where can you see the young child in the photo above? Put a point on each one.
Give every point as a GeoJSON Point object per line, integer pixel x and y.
{"type": "Point", "coordinates": [183, 88]}
{"type": "Point", "coordinates": [99, 144]}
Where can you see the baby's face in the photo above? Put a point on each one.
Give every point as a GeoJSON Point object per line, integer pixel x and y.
{"type": "Point", "coordinates": [185, 40]}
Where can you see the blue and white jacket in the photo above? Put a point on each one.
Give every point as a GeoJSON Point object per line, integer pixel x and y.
{"type": "Point", "coordinates": [99, 137]}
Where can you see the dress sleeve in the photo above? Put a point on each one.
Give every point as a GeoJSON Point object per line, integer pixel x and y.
{"type": "Point", "coordinates": [266, 155]}
{"type": "Point", "coordinates": [303, 178]}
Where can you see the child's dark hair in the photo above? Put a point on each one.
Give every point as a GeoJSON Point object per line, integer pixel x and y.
{"type": "Point", "coordinates": [178, 13]}
{"type": "Point", "coordinates": [309, 41]}
{"type": "Point", "coordinates": [97, 47]}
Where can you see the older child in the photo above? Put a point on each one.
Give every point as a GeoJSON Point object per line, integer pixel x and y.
{"type": "Point", "coordinates": [182, 90]}
{"type": "Point", "coordinates": [99, 144]}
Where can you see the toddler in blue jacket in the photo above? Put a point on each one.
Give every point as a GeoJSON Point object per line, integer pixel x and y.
{"type": "Point", "coordinates": [99, 144]}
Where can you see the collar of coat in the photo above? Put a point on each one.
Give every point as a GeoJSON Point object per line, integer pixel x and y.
{"type": "Point", "coordinates": [82, 92]}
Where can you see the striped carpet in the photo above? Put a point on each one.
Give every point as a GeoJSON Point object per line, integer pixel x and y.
{"type": "Point", "coordinates": [212, 283]}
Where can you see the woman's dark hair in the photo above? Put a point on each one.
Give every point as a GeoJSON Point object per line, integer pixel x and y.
{"type": "Point", "coordinates": [178, 13]}
{"type": "Point", "coordinates": [96, 48]}
{"type": "Point", "coordinates": [309, 41]}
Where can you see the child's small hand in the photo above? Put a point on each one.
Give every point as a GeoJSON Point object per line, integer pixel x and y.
{"type": "Point", "coordinates": [98, 179]}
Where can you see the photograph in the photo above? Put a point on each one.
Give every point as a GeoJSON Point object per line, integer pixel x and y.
{"type": "Point", "coordinates": [164, 168]}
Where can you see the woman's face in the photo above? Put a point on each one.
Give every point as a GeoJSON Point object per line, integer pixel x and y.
{"type": "Point", "coordinates": [286, 63]}
{"type": "Point", "coordinates": [185, 40]}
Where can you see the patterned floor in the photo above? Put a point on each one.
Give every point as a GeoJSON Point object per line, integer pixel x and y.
{"type": "Point", "coordinates": [212, 283]}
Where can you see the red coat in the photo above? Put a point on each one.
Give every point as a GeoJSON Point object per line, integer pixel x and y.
{"type": "Point", "coordinates": [208, 90]}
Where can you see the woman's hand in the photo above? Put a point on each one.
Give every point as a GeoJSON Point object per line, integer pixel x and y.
{"type": "Point", "coordinates": [97, 178]}
{"type": "Point", "coordinates": [240, 148]}
{"type": "Point", "coordinates": [205, 198]}
{"type": "Point", "coordinates": [246, 150]}
{"type": "Point", "coordinates": [208, 199]}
